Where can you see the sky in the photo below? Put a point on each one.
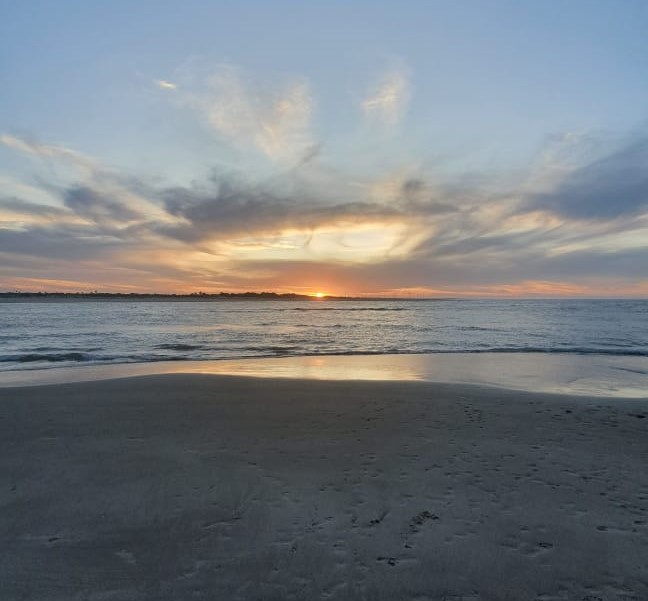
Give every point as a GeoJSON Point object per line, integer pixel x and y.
{"type": "Point", "coordinates": [488, 148]}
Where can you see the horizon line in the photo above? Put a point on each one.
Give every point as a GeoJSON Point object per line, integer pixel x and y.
{"type": "Point", "coordinates": [292, 295]}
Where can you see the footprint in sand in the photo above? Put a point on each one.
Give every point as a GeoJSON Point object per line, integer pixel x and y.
{"type": "Point", "coordinates": [418, 520]}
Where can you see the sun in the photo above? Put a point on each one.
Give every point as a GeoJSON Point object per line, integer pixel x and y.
{"type": "Point", "coordinates": [319, 295]}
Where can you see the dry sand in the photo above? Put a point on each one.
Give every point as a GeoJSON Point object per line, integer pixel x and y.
{"type": "Point", "coordinates": [181, 487]}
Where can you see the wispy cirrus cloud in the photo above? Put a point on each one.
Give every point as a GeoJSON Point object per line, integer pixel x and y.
{"type": "Point", "coordinates": [48, 151]}
{"type": "Point", "coordinates": [604, 187]}
{"type": "Point", "coordinates": [104, 198]}
{"type": "Point", "coordinates": [164, 84]}
{"type": "Point", "coordinates": [276, 121]}
{"type": "Point", "coordinates": [387, 103]}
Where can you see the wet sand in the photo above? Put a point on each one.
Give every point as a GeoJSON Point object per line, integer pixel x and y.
{"type": "Point", "coordinates": [555, 373]}
{"type": "Point", "coordinates": [209, 487]}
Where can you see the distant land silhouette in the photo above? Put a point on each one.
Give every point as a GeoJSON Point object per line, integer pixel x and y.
{"type": "Point", "coordinates": [96, 296]}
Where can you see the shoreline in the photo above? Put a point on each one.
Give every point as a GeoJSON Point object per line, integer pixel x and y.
{"type": "Point", "coordinates": [556, 373]}
{"type": "Point", "coordinates": [204, 486]}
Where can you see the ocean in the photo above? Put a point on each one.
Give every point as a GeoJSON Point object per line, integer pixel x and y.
{"type": "Point", "coordinates": [36, 335]}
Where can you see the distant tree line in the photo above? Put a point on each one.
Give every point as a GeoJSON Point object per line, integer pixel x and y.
{"type": "Point", "coordinates": [96, 295]}
{"type": "Point", "coordinates": [145, 295]}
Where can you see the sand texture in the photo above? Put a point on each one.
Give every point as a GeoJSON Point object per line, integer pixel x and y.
{"type": "Point", "coordinates": [220, 488]}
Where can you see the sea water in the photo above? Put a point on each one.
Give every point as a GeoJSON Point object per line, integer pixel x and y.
{"type": "Point", "coordinates": [55, 334]}
{"type": "Point", "coordinates": [490, 333]}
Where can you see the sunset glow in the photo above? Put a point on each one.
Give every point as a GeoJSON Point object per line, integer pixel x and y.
{"type": "Point", "coordinates": [217, 164]}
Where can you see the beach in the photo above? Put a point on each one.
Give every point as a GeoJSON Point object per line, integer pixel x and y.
{"type": "Point", "coordinates": [196, 486]}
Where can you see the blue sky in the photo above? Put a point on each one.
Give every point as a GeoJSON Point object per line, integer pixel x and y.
{"type": "Point", "coordinates": [231, 145]}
